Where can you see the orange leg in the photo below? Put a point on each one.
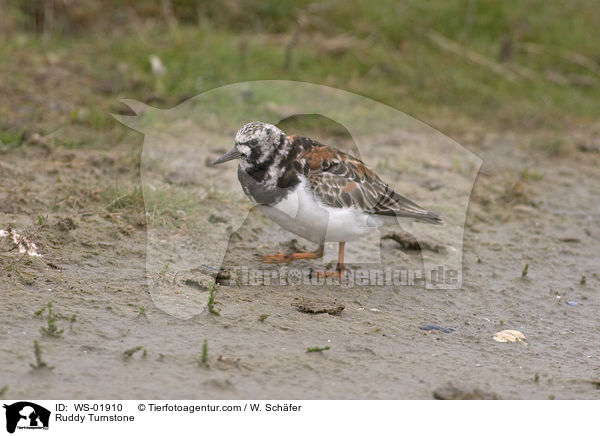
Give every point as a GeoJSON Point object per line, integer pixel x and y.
{"type": "Point", "coordinates": [287, 258]}
{"type": "Point", "coordinates": [339, 269]}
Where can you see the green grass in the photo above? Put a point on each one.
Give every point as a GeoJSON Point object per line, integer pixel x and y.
{"type": "Point", "coordinates": [164, 207]}
{"type": "Point", "coordinates": [51, 330]}
{"type": "Point", "coordinates": [420, 80]}
{"type": "Point", "coordinates": [212, 290]}
{"type": "Point", "coordinates": [317, 349]}
{"type": "Point", "coordinates": [124, 200]}
{"type": "Point", "coordinates": [11, 139]}
{"type": "Point", "coordinates": [39, 361]}
{"type": "Point", "coordinates": [127, 354]}
{"type": "Point", "coordinates": [203, 360]}
{"type": "Point", "coordinates": [461, 65]}
{"type": "Point", "coordinates": [549, 74]}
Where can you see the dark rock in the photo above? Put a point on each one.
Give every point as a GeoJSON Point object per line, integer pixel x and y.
{"type": "Point", "coordinates": [315, 305]}
{"type": "Point", "coordinates": [428, 327]}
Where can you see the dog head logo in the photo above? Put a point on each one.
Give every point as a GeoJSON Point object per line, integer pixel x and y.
{"type": "Point", "coordinates": [26, 415]}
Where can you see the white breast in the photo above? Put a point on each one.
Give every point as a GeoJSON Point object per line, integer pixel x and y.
{"type": "Point", "coordinates": [305, 215]}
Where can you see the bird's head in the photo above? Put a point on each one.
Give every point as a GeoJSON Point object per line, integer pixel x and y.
{"type": "Point", "coordinates": [255, 144]}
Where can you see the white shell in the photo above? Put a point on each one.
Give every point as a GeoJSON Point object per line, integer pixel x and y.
{"type": "Point", "coordinates": [510, 336]}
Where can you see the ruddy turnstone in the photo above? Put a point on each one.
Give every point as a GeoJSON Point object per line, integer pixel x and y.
{"type": "Point", "coordinates": [314, 191]}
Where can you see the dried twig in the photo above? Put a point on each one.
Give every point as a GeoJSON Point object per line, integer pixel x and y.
{"type": "Point", "coordinates": [289, 49]}
{"type": "Point", "coordinates": [568, 55]}
{"type": "Point", "coordinates": [167, 10]}
{"type": "Point", "coordinates": [470, 55]}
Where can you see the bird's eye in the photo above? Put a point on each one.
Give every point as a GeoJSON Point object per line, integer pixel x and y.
{"type": "Point", "coordinates": [254, 142]}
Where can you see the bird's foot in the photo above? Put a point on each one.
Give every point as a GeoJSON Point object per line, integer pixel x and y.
{"type": "Point", "coordinates": [287, 258]}
{"type": "Point", "coordinates": [338, 272]}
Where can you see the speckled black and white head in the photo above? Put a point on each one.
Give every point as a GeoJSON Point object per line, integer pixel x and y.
{"type": "Point", "coordinates": [258, 143]}
{"type": "Point", "coordinates": [261, 149]}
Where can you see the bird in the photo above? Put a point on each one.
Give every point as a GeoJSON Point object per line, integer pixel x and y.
{"type": "Point", "coordinates": [315, 191]}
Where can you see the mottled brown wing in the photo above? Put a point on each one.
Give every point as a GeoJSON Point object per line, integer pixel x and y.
{"type": "Point", "coordinates": [340, 180]}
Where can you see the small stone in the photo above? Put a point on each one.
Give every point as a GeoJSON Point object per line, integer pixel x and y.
{"type": "Point", "coordinates": [310, 305]}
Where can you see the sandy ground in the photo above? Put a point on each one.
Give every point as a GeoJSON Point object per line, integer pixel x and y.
{"type": "Point", "coordinates": [93, 265]}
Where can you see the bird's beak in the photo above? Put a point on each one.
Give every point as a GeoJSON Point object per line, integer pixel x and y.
{"type": "Point", "coordinates": [231, 154]}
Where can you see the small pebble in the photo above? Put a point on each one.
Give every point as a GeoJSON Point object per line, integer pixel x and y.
{"type": "Point", "coordinates": [428, 327]}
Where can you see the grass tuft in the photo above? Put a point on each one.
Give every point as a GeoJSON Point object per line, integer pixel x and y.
{"type": "Point", "coordinates": [51, 330]}
{"type": "Point", "coordinates": [130, 352]}
{"type": "Point", "coordinates": [317, 349]}
{"type": "Point", "coordinates": [129, 200]}
{"type": "Point", "coordinates": [39, 362]}
{"type": "Point", "coordinates": [212, 289]}
{"type": "Point", "coordinates": [203, 360]}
